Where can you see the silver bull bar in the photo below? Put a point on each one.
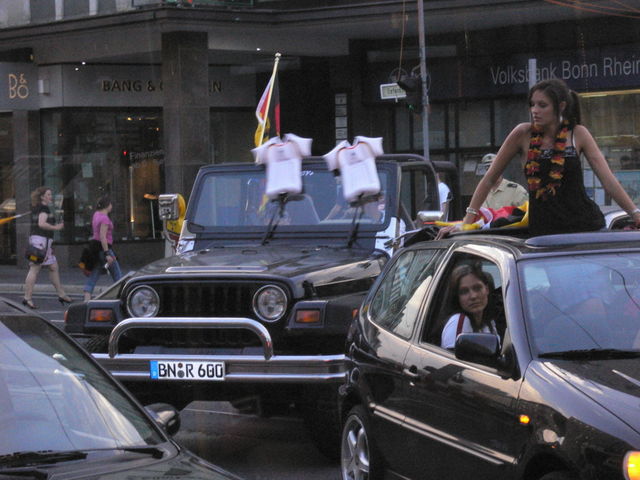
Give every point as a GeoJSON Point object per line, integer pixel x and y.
{"type": "Point", "coordinates": [265, 368]}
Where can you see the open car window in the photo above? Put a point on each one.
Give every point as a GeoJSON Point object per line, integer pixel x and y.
{"type": "Point", "coordinates": [446, 306]}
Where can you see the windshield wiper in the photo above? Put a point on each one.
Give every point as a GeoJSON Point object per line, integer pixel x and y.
{"type": "Point", "coordinates": [22, 459]}
{"type": "Point", "coordinates": [592, 353]}
{"type": "Point", "coordinates": [273, 222]}
{"type": "Point", "coordinates": [355, 223]}
{"type": "Point", "coordinates": [27, 472]}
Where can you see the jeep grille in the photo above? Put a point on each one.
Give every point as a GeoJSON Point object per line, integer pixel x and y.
{"type": "Point", "coordinates": [206, 299]}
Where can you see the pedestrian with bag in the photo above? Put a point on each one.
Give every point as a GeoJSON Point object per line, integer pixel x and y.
{"type": "Point", "coordinates": [550, 146]}
{"type": "Point", "coordinates": [40, 251]}
{"type": "Point", "coordinates": [101, 246]}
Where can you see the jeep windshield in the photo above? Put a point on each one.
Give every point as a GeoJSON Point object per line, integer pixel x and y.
{"type": "Point", "coordinates": [235, 199]}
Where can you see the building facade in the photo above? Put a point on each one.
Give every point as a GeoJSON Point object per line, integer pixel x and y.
{"type": "Point", "coordinates": [131, 97]}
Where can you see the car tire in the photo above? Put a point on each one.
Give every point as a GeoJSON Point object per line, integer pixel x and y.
{"type": "Point", "coordinates": [559, 475]}
{"type": "Point", "coordinates": [97, 344]}
{"type": "Point", "coordinates": [359, 457]}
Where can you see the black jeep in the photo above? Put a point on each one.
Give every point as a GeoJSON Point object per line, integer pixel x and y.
{"type": "Point", "coordinates": [255, 307]}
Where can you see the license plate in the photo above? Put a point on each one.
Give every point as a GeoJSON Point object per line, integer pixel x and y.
{"type": "Point", "coordinates": [160, 370]}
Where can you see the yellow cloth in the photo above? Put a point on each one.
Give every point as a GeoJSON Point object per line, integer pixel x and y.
{"type": "Point", "coordinates": [486, 217]}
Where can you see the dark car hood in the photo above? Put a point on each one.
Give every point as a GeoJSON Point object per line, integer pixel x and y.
{"type": "Point", "coordinates": [614, 384]}
{"type": "Point", "coordinates": [184, 466]}
{"type": "Point", "coordinates": [318, 265]}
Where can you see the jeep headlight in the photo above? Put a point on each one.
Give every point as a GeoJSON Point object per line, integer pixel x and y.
{"type": "Point", "coordinates": [143, 301]}
{"type": "Point", "coordinates": [270, 303]}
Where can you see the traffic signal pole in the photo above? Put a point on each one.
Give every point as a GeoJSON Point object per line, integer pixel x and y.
{"type": "Point", "coordinates": [423, 75]}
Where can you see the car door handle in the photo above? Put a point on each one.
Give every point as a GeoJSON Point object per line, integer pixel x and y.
{"type": "Point", "coordinates": [412, 371]}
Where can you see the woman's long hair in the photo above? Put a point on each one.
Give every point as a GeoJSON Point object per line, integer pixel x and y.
{"type": "Point", "coordinates": [558, 92]}
{"type": "Point", "coordinates": [454, 284]}
{"type": "Point", "coordinates": [36, 195]}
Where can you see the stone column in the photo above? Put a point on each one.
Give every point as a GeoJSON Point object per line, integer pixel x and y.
{"type": "Point", "coordinates": [27, 172]}
{"type": "Point", "coordinates": [185, 79]}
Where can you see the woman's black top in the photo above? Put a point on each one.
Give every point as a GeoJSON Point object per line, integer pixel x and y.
{"type": "Point", "coordinates": [35, 213]}
{"type": "Point", "coordinates": [570, 209]}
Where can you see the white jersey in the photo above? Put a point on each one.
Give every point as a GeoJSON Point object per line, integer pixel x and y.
{"type": "Point", "coordinates": [283, 160]}
{"type": "Point", "coordinates": [357, 167]}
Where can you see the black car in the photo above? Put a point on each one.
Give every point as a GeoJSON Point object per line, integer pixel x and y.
{"type": "Point", "coordinates": [553, 393]}
{"type": "Point", "coordinates": [62, 416]}
{"type": "Point", "coordinates": [255, 307]}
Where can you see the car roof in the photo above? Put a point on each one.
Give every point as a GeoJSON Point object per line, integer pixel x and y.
{"type": "Point", "coordinates": [521, 244]}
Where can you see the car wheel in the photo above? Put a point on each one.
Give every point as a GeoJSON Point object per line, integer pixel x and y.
{"type": "Point", "coordinates": [360, 459]}
{"type": "Point", "coordinates": [559, 475]}
{"type": "Point", "coordinates": [97, 344]}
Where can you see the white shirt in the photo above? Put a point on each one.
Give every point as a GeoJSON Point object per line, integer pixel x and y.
{"type": "Point", "coordinates": [445, 196]}
{"type": "Point", "coordinates": [283, 160]}
{"type": "Point", "coordinates": [357, 166]}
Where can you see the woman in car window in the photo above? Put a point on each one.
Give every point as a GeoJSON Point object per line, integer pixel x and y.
{"type": "Point", "coordinates": [470, 289]}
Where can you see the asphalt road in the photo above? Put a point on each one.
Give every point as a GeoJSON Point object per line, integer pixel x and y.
{"type": "Point", "coordinates": [254, 448]}
{"type": "Point", "coordinates": [48, 305]}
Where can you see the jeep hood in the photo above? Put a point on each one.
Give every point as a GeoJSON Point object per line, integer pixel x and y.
{"type": "Point", "coordinates": [317, 265]}
{"type": "Point", "coordinates": [613, 384]}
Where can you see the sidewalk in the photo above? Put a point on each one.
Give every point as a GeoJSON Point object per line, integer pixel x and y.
{"type": "Point", "coordinates": [12, 280]}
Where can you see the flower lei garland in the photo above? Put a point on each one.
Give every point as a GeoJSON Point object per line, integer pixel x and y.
{"type": "Point", "coordinates": [556, 170]}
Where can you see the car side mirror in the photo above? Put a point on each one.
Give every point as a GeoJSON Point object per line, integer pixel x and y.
{"type": "Point", "coordinates": [165, 415]}
{"type": "Point", "coordinates": [483, 348]}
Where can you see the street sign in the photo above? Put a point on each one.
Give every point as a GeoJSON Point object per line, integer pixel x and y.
{"type": "Point", "coordinates": [391, 91]}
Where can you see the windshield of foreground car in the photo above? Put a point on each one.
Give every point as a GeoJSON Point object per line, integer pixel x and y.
{"type": "Point", "coordinates": [237, 199]}
{"type": "Point", "coordinates": [583, 303]}
{"type": "Point", "coordinates": [53, 398]}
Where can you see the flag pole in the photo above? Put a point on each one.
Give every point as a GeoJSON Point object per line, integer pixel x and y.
{"type": "Point", "coordinates": [423, 75]}
{"type": "Point", "coordinates": [271, 82]}
{"type": "Point", "coordinates": [14, 217]}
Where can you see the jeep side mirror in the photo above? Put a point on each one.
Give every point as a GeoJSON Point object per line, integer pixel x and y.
{"type": "Point", "coordinates": [168, 206]}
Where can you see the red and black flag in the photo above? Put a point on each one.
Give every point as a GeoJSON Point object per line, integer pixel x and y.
{"type": "Point", "coordinates": [268, 109]}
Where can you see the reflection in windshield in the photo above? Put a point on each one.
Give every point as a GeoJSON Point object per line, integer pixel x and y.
{"type": "Point", "coordinates": [52, 398]}
{"type": "Point", "coordinates": [583, 302]}
{"type": "Point", "coordinates": [237, 200]}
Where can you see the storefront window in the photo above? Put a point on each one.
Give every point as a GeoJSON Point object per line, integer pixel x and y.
{"type": "Point", "coordinates": [87, 154]}
{"type": "Point", "coordinates": [7, 192]}
{"type": "Point", "coordinates": [475, 124]}
{"type": "Point", "coordinates": [509, 113]}
{"type": "Point", "coordinates": [403, 129]}
{"type": "Point", "coordinates": [409, 128]}
{"type": "Point", "coordinates": [613, 118]}
{"type": "Point", "coordinates": [232, 135]}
